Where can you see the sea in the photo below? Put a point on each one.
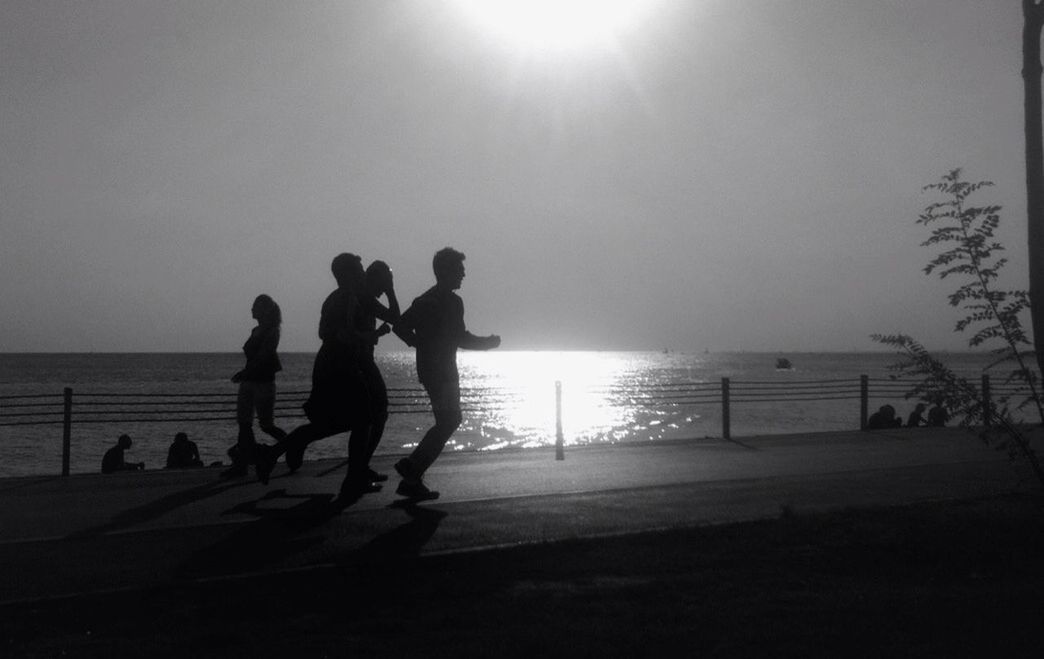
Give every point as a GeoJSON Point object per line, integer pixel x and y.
{"type": "Point", "coordinates": [513, 400]}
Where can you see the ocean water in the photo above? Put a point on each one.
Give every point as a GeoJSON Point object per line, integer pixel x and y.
{"type": "Point", "coordinates": [509, 400]}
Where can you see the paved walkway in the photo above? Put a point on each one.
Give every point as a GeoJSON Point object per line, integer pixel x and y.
{"type": "Point", "coordinates": [93, 533]}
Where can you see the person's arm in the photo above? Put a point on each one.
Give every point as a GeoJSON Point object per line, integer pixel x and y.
{"type": "Point", "coordinates": [469, 341]}
{"type": "Point", "coordinates": [261, 360]}
{"type": "Point", "coordinates": [406, 328]}
{"type": "Point", "coordinates": [392, 312]}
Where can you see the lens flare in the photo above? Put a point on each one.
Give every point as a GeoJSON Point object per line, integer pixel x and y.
{"type": "Point", "coordinates": [554, 24]}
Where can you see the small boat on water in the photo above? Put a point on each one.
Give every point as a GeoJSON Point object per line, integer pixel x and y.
{"type": "Point", "coordinates": [783, 364]}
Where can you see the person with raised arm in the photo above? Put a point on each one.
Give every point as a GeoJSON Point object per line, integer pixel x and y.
{"type": "Point", "coordinates": [339, 400]}
{"type": "Point", "coordinates": [379, 282]}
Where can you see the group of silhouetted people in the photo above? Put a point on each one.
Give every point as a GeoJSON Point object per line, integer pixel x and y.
{"type": "Point", "coordinates": [348, 392]}
{"type": "Point", "coordinates": [885, 417]}
{"type": "Point", "coordinates": [182, 454]}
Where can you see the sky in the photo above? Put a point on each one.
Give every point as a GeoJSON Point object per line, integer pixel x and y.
{"type": "Point", "coordinates": [703, 175]}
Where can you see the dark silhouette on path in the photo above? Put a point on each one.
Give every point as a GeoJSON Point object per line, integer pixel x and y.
{"type": "Point", "coordinates": [339, 400]}
{"type": "Point", "coordinates": [257, 387]}
{"type": "Point", "coordinates": [379, 281]}
{"type": "Point", "coordinates": [434, 325]}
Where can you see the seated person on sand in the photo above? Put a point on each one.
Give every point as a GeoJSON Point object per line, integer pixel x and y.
{"type": "Point", "coordinates": [883, 418]}
{"type": "Point", "coordinates": [183, 453]}
{"type": "Point", "coordinates": [915, 419]}
{"type": "Point", "coordinates": [113, 460]}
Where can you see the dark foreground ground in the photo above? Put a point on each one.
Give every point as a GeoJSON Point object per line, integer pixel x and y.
{"type": "Point", "coordinates": [943, 579]}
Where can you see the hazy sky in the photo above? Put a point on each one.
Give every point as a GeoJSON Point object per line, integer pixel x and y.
{"type": "Point", "coordinates": [720, 174]}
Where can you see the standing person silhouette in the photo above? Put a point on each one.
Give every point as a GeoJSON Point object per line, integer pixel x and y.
{"type": "Point", "coordinates": [434, 325]}
{"type": "Point", "coordinates": [379, 281]}
{"type": "Point", "coordinates": [257, 385]}
{"type": "Point", "coordinates": [339, 400]}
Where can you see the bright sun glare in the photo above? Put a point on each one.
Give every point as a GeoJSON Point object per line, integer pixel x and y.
{"type": "Point", "coordinates": [567, 25]}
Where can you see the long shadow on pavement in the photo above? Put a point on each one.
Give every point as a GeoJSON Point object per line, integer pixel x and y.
{"type": "Point", "coordinates": [277, 534]}
{"type": "Point", "coordinates": [406, 540]}
{"type": "Point", "coordinates": [157, 508]}
{"type": "Point", "coordinates": [282, 532]}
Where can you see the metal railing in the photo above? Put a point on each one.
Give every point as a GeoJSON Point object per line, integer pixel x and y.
{"type": "Point", "coordinates": [66, 409]}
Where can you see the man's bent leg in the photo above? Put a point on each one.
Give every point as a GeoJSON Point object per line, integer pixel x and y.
{"type": "Point", "coordinates": [445, 403]}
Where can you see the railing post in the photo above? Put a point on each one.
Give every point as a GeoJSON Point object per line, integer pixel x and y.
{"type": "Point", "coordinates": [987, 404]}
{"type": "Point", "coordinates": [66, 430]}
{"type": "Point", "coordinates": [559, 440]}
{"type": "Point", "coordinates": [864, 400]}
{"type": "Point", "coordinates": [726, 432]}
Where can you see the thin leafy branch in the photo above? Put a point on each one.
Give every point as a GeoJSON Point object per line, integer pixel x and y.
{"type": "Point", "coordinates": [939, 384]}
{"type": "Point", "coordinates": [965, 233]}
{"type": "Point", "coordinates": [971, 250]}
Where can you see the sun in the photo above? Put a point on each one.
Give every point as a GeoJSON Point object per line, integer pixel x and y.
{"type": "Point", "coordinates": [554, 25]}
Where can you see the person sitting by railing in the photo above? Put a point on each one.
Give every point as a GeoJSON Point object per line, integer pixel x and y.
{"type": "Point", "coordinates": [113, 460]}
{"type": "Point", "coordinates": [938, 416]}
{"type": "Point", "coordinates": [883, 418]}
{"type": "Point", "coordinates": [916, 419]}
{"type": "Point", "coordinates": [183, 453]}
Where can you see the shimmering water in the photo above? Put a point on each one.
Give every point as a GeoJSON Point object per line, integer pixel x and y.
{"type": "Point", "coordinates": [509, 397]}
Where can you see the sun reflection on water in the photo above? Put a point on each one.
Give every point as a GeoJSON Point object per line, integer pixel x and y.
{"type": "Point", "coordinates": [520, 406]}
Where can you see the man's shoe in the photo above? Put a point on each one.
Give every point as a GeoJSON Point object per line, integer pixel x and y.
{"type": "Point", "coordinates": [377, 477]}
{"type": "Point", "coordinates": [358, 485]}
{"type": "Point", "coordinates": [295, 458]}
{"type": "Point", "coordinates": [265, 462]}
{"type": "Point", "coordinates": [416, 490]}
{"type": "Point", "coordinates": [405, 469]}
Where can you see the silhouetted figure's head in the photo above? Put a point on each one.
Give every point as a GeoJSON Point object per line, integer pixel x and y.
{"type": "Point", "coordinates": [448, 265]}
{"type": "Point", "coordinates": [379, 277]}
{"type": "Point", "coordinates": [124, 442]}
{"type": "Point", "coordinates": [347, 270]}
{"type": "Point", "coordinates": [181, 437]}
{"type": "Point", "coordinates": [266, 312]}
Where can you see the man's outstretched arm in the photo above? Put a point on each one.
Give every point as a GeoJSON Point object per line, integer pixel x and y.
{"type": "Point", "coordinates": [469, 341]}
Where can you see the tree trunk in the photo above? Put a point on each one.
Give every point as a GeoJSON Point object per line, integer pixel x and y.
{"type": "Point", "coordinates": [1033, 15]}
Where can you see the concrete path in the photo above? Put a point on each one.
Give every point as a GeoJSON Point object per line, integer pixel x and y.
{"type": "Point", "coordinates": [94, 533]}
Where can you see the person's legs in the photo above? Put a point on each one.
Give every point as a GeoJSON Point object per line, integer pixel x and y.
{"type": "Point", "coordinates": [445, 404]}
{"type": "Point", "coordinates": [244, 450]}
{"type": "Point", "coordinates": [378, 393]}
{"type": "Point", "coordinates": [360, 410]}
{"type": "Point", "coordinates": [298, 438]}
{"type": "Point", "coordinates": [264, 403]}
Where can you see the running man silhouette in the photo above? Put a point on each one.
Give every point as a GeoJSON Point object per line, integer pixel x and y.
{"type": "Point", "coordinates": [339, 400]}
{"type": "Point", "coordinates": [434, 325]}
